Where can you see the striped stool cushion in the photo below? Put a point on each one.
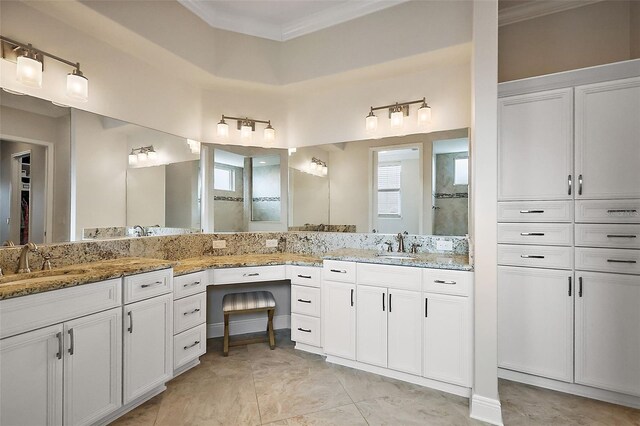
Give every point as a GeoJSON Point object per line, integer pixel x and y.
{"type": "Point", "coordinates": [250, 300]}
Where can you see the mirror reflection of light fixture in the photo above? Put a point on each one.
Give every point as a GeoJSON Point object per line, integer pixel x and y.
{"type": "Point", "coordinates": [142, 154]}
{"type": "Point", "coordinates": [292, 150]}
{"type": "Point", "coordinates": [316, 167]}
{"type": "Point", "coordinates": [30, 65]}
{"type": "Point", "coordinates": [133, 157]}
{"type": "Point", "coordinates": [246, 126]}
{"type": "Point", "coordinates": [194, 146]}
{"type": "Point", "coordinates": [397, 112]}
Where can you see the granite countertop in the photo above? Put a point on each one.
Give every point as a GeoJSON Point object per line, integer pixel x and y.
{"type": "Point", "coordinates": [458, 262]}
{"type": "Point", "coordinates": [195, 264]}
{"type": "Point", "coordinates": [70, 276]}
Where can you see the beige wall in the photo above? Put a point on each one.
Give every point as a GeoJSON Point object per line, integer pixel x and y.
{"type": "Point", "coordinates": [596, 34]}
{"type": "Point", "coordinates": [146, 196]}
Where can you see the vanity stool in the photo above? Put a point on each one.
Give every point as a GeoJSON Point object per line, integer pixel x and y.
{"type": "Point", "coordinates": [242, 303]}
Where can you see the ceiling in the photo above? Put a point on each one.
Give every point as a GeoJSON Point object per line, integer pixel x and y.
{"type": "Point", "coordinates": [282, 20]}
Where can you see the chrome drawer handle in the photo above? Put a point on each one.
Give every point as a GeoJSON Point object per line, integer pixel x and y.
{"type": "Point", "coordinates": [305, 330]}
{"type": "Point", "coordinates": [532, 234]}
{"type": "Point", "coordinates": [621, 261]}
{"type": "Point", "coordinates": [308, 277]}
{"type": "Point", "coordinates": [531, 256]}
{"type": "Point", "coordinates": [152, 284]}
{"type": "Point", "coordinates": [59, 337]}
{"type": "Point", "coordinates": [444, 282]}
{"type": "Point", "coordinates": [621, 236]}
{"type": "Point", "coordinates": [192, 312]}
{"type": "Point", "coordinates": [339, 271]}
{"type": "Point", "coordinates": [570, 184]}
{"type": "Point", "coordinates": [579, 184]}
{"type": "Point", "coordinates": [253, 274]}
{"type": "Point", "coordinates": [304, 301]}
{"type": "Point", "coordinates": [531, 211]}
{"type": "Point", "coordinates": [191, 284]}
{"type": "Point", "coordinates": [622, 211]}
{"type": "Point", "coordinates": [72, 344]}
{"type": "Point", "coordinates": [197, 342]}
{"type": "Point", "coordinates": [130, 329]}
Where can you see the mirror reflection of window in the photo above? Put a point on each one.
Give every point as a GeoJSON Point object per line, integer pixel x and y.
{"type": "Point", "coordinates": [461, 171]}
{"type": "Point", "coordinates": [229, 191]}
{"type": "Point", "coordinates": [265, 186]}
{"type": "Point", "coordinates": [224, 178]}
{"type": "Point", "coordinates": [389, 189]}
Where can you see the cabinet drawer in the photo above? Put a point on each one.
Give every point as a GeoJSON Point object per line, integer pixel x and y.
{"type": "Point", "coordinates": [186, 285]}
{"type": "Point", "coordinates": [189, 345]}
{"type": "Point", "coordinates": [21, 314]}
{"type": "Point", "coordinates": [149, 284]}
{"type": "Point", "coordinates": [536, 256]}
{"type": "Point", "coordinates": [608, 260]}
{"type": "Point", "coordinates": [305, 329]}
{"type": "Point", "coordinates": [337, 270]}
{"type": "Point", "coordinates": [535, 211]}
{"type": "Point", "coordinates": [249, 274]}
{"type": "Point", "coordinates": [457, 283]}
{"type": "Point", "coordinates": [189, 311]}
{"type": "Point", "coordinates": [614, 236]}
{"type": "Point", "coordinates": [552, 234]}
{"type": "Point", "coordinates": [305, 275]}
{"type": "Point", "coordinates": [400, 277]}
{"type": "Point", "coordinates": [608, 211]}
{"type": "Point", "coordinates": [305, 300]}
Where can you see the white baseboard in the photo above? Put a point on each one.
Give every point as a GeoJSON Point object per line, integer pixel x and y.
{"type": "Point", "coordinates": [486, 409]}
{"type": "Point", "coordinates": [308, 348]}
{"type": "Point", "coordinates": [572, 388]}
{"type": "Point", "coordinates": [130, 406]}
{"type": "Point", "coordinates": [187, 366]}
{"type": "Point", "coordinates": [398, 375]}
{"type": "Point", "coordinates": [247, 326]}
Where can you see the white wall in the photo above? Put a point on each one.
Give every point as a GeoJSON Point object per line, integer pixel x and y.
{"type": "Point", "coordinates": [146, 196]}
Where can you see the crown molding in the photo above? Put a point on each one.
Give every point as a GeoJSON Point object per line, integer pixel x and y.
{"type": "Point", "coordinates": [536, 9]}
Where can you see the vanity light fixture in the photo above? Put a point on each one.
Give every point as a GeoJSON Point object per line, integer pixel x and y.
{"type": "Point", "coordinates": [317, 167]}
{"type": "Point", "coordinates": [30, 65]}
{"type": "Point", "coordinates": [246, 126]}
{"type": "Point", "coordinates": [397, 112]}
{"type": "Point", "coordinates": [194, 146]}
{"type": "Point", "coordinates": [141, 154]}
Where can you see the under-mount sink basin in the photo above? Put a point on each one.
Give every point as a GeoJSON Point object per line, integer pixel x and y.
{"type": "Point", "coordinates": [395, 256]}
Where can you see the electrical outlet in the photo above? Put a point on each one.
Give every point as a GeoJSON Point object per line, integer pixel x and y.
{"type": "Point", "coordinates": [219, 244]}
{"type": "Point", "coordinates": [444, 245]}
{"type": "Point", "coordinates": [271, 243]}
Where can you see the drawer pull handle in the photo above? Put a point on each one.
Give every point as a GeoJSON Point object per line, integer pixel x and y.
{"type": "Point", "coordinates": [351, 297]}
{"type": "Point", "coordinates": [621, 261]}
{"type": "Point", "coordinates": [304, 301]}
{"type": "Point", "coordinates": [532, 234]}
{"type": "Point", "coordinates": [339, 271]}
{"type": "Point", "coordinates": [130, 329]}
{"type": "Point", "coordinates": [622, 211]}
{"type": "Point", "coordinates": [531, 211]}
{"type": "Point", "coordinates": [151, 284]}
{"type": "Point", "coordinates": [444, 282]}
{"type": "Point", "coordinates": [531, 256]}
{"type": "Point", "coordinates": [579, 286]}
{"type": "Point", "coordinates": [304, 330]}
{"type": "Point", "coordinates": [197, 342]}
{"type": "Point", "coordinates": [72, 343]}
{"type": "Point", "coordinates": [307, 277]}
{"type": "Point", "coordinates": [191, 284]}
{"type": "Point", "coordinates": [579, 184]}
{"type": "Point", "coordinates": [426, 307]}
{"type": "Point", "coordinates": [570, 184]}
{"type": "Point", "coordinates": [59, 337]}
{"type": "Point", "coordinates": [621, 236]}
{"type": "Point", "coordinates": [196, 310]}
{"type": "Point", "coordinates": [253, 274]}
{"type": "Point", "coordinates": [569, 286]}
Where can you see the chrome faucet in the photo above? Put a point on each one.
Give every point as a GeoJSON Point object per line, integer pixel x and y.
{"type": "Point", "coordinates": [400, 238]}
{"type": "Point", "coordinates": [141, 232]}
{"type": "Point", "coordinates": [23, 263]}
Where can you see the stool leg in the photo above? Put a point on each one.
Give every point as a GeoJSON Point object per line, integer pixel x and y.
{"type": "Point", "coordinates": [225, 349]}
{"type": "Point", "coordinates": [272, 339]}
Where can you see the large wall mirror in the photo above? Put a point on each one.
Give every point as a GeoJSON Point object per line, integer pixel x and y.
{"type": "Point", "coordinates": [416, 184]}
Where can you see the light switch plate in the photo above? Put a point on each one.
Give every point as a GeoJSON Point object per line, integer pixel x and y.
{"type": "Point", "coordinates": [444, 245]}
{"type": "Point", "coordinates": [218, 244]}
{"type": "Point", "coordinates": [271, 243]}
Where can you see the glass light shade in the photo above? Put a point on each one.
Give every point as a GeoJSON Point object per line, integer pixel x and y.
{"type": "Point", "coordinates": [142, 156]}
{"type": "Point", "coordinates": [372, 123]}
{"type": "Point", "coordinates": [396, 119]}
{"type": "Point", "coordinates": [77, 87]}
{"type": "Point", "coordinates": [133, 158]}
{"type": "Point", "coordinates": [29, 72]}
{"type": "Point", "coordinates": [325, 170]}
{"type": "Point", "coordinates": [223, 129]}
{"type": "Point", "coordinates": [152, 155]}
{"type": "Point", "coordinates": [245, 132]}
{"type": "Point", "coordinates": [195, 148]}
{"type": "Point", "coordinates": [424, 114]}
{"type": "Point", "coordinates": [269, 134]}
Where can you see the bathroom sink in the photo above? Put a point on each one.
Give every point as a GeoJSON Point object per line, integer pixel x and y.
{"type": "Point", "coordinates": [401, 256]}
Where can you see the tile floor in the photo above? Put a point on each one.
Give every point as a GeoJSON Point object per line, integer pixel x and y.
{"type": "Point", "coordinates": [256, 386]}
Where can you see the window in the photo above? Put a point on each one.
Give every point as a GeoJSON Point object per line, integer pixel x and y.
{"type": "Point", "coordinates": [389, 199]}
{"type": "Point", "coordinates": [224, 179]}
{"type": "Point", "coordinates": [461, 171]}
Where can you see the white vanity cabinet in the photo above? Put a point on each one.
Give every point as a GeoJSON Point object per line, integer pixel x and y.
{"type": "Point", "coordinates": [189, 320]}
{"type": "Point", "coordinates": [339, 309]}
{"type": "Point", "coordinates": [306, 324]}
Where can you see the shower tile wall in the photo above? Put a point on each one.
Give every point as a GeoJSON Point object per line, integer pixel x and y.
{"type": "Point", "coordinates": [451, 201]}
{"type": "Point", "coordinates": [228, 214]}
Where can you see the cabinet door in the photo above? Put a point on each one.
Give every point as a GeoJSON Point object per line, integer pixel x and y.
{"type": "Point", "coordinates": [447, 338]}
{"type": "Point", "coordinates": [372, 325]}
{"type": "Point", "coordinates": [92, 367]}
{"type": "Point", "coordinates": [608, 332]}
{"type": "Point", "coordinates": [607, 139]}
{"type": "Point", "coordinates": [535, 321]}
{"type": "Point", "coordinates": [148, 348]}
{"type": "Point", "coordinates": [339, 319]}
{"type": "Point", "coordinates": [31, 372]}
{"type": "Point", "coordinates": [405, 331]}
{"type": "Point", "coordinates": [535, 150]}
